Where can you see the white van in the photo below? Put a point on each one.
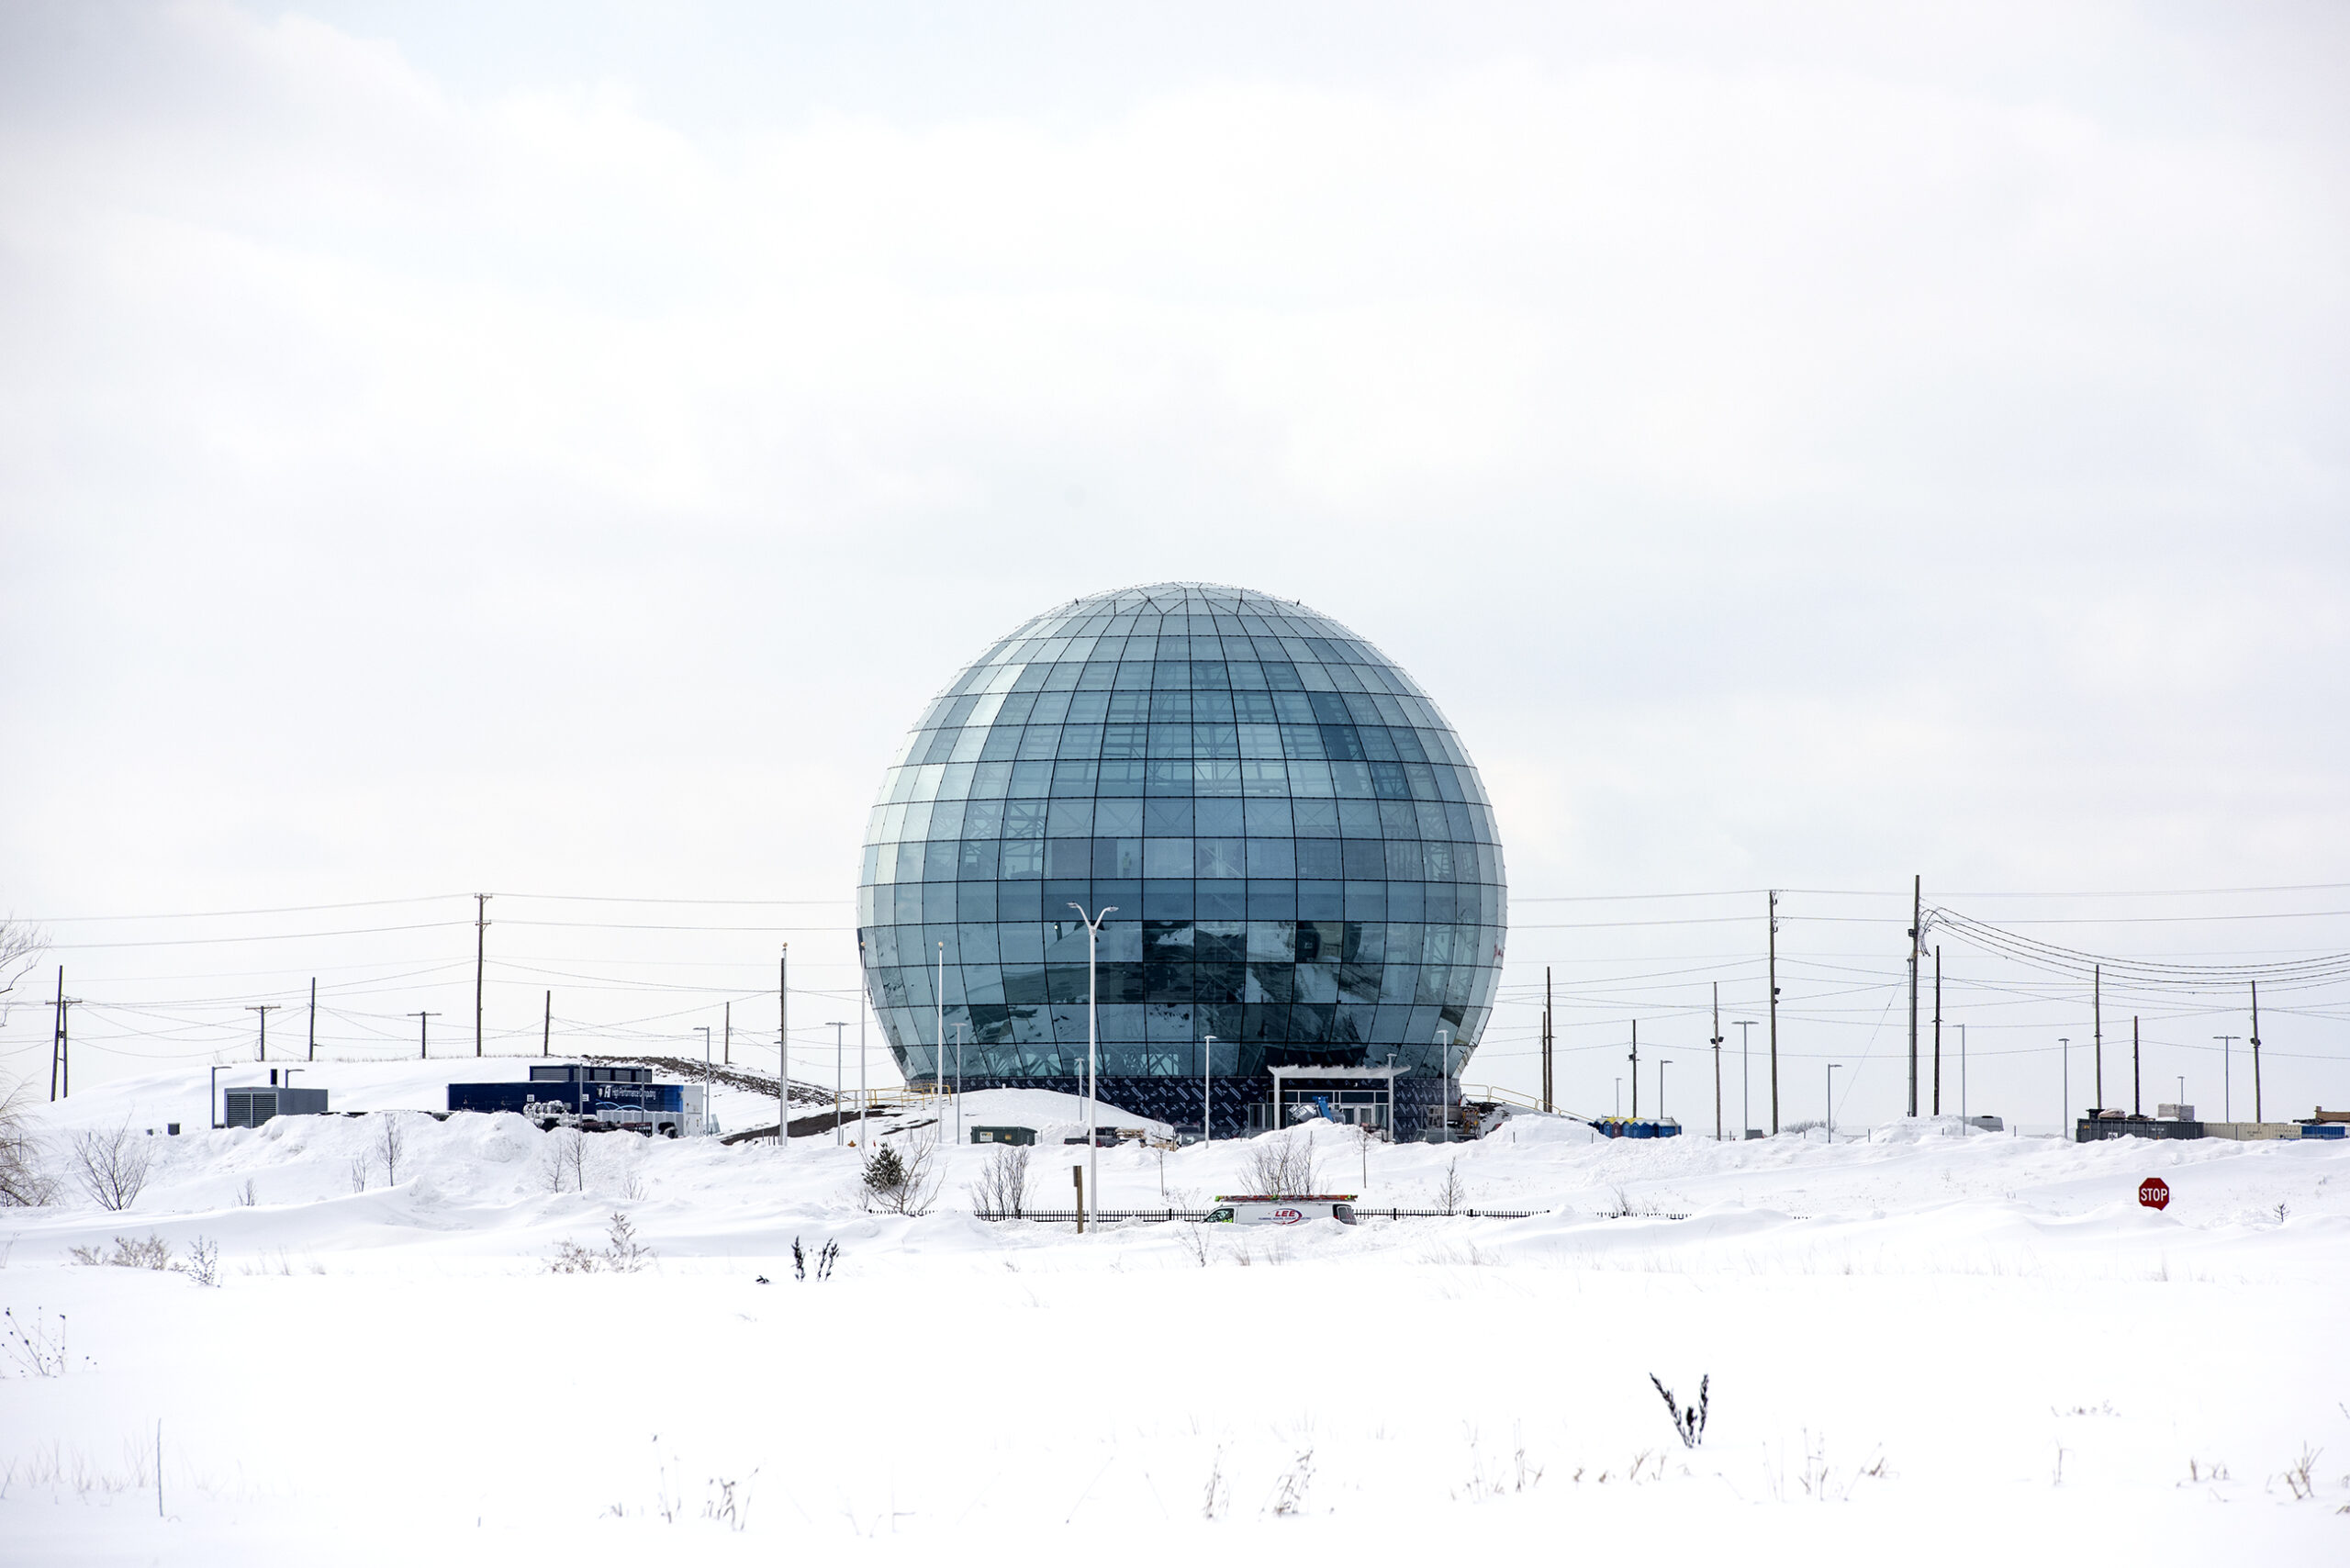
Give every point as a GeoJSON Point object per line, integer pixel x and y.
{"type": "Point", "coordinates": [1259, 1209]}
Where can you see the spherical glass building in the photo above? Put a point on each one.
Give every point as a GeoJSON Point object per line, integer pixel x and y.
{"type": "Point", "coordinates": [1301, 859]}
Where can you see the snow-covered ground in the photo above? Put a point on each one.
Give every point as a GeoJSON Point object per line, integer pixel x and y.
{"type": "Point", "coordinates": [1926, 1345]}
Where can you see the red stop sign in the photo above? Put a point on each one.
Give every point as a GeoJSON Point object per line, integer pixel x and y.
{"type": "Point", "coordinates": [2155, 1193]}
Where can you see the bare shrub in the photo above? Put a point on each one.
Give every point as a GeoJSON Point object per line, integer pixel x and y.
{"type": "Point", "coordinates": [1280, 1165]}
{"type": "Point", "coordinates": [632, 1172]}
{"type": "Point", "coordinates": [111, 1167]}
{"type": "Point", "coordinates": [1452, 1193]}
{"type": "Point", "coordinates": [359, 1165]}
{"type": "Point", "coordinates": [40, 1350]}
{"type": "Point", "coordinates": [248, 1195]}
{"type": "Point", "coordinates": [570, 1257]}
{"type": "Point", "coordinates": [901, 1181]}
{"type": "Point", "coordinates": [153, 1253]}
{"type": "Point", "coordinates": [1002, 1191]}
{"type": "Point", "coordinates": [624, 1254]}
{"type": "Point", "coordinates": [1688, 1425]}
{"type": "Point", "coordinates": [204, 1261]}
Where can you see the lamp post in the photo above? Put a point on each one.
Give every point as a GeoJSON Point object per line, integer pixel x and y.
{"type": "Point", "coordinates": [1093, 1052]}
{"type": "Point", "coordinates": [2064, 1052]}
{"type": "Point", "coordinates": [1444, 1105]}
{"type": "Point", "coordinates": [959, 1084]}
{"type": "Point", "coordinates": [938, 1070]}
{"type": "Point", "coordinates": [839, 1136]}
{"type": "Point", "coordinates": [705, 1076]}
{"type": "Point", "coordinates": [1831, 1100]}
{"type": "Point", "coordinates": [1207, 1090]}
{"type": "Point", "coordinates": [1661, 1063]}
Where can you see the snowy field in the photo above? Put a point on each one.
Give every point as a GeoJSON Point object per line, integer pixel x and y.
{"type": "Point", "coordinates": [1930, 1347]}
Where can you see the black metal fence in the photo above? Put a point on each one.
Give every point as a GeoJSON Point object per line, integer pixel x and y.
{"type": "Point", "coordinates": [1104, 1216]}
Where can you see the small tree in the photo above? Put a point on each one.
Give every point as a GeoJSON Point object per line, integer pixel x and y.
{"type": "Point", "coordinates": [20, 947]}
{"type": "Point", "coordinates": [1452, 1193]}
{"type": "Point", "coordinates": [1280, 1165]}
{"type": "Point", "coordinates": [564, 1166]}
{"type": "Point", "coordinates": [1002, 1191]}
{"type": "Point", "coordinates": [391, 1143]}
{"type": "Point", "coordinates": [112, 1166]}
{"type": "Point", "coordinates": [901, 1184]}
{"type": "Point", "coordinates": [23, 1183]}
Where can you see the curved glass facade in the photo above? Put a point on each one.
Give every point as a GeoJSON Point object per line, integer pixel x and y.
{"type": "Point", "coordinates": [1301, 857]}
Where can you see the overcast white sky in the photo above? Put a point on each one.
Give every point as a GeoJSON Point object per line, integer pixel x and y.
{"type": "Point", "coordinates": [561, 451]}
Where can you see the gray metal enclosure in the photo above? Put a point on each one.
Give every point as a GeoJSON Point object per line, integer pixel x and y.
{"type": "Point", "coordinates": [251, 1107]}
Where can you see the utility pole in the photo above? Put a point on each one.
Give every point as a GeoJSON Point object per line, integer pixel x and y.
{"type": "Point", "coordinates": [2227, 1107]}
{"type": "Point", "coordinates": [2255, 1051]}
{"type": "Point", "coordinates": [2137, 1105]}
{"type": "Point", "coordinates": [1717, 1061]}
{"type": "Point", "coordinates": [783, 1049]}
{"type": "Point", "coordinates": [481, 948]}
{"type": "Point", "coordinates": [1938, 1028]}
{"type": "Point", "coordinates": [1636, 1069]}
{"type": "Point", "coordinates": [546, 1026]}
{"type": "Point", "coordinates": [1917, 909]}
{"type": "Point", "coordinates": [260, 1053]}
{"type": "Point", "coordinates": [314, 1020]}
{"type": "Point", "coordinates": [65, 1006]}
{"type": "Point", "coordinates": [1774, 1013]}
{"type": "Point", "coordinates": [726, 1058]}
{"type": "Point", "coordinates": [421, 1027]}
{"type": "Point", "coordinates": [57, 1037]}
{"type": "Point", "coordinates": [2097, 1032]}
{"type": "Point", "coordinates": [1546, 1038]}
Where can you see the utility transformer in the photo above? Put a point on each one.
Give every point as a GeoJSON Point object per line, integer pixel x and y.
{"type": "Point", "coordinates": [593, 1099]}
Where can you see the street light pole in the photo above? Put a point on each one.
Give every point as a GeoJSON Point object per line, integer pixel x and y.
{"type": "Point", "coordinates": [1832, 1100]}
{"type": "Point", "coordinates": [1661, 1063]}
{"type": "Point", "coordinates": [839, 1136]}
{"type": "Point", "coordinates": [959, 1084]}
{"type": "Point", "coordinates": [1717, 1061]}
{"type": "Point", "coordinates": [1207, 1090]}
{"type": "Point", "coordinates": [2065, 1118]}
{"type": "Point", "coordinates": [1093, 1052]}
{"type": "Point", "coordinates": [705, 1075]}
{"type": "Point", "coordinates": [1444, 1106]}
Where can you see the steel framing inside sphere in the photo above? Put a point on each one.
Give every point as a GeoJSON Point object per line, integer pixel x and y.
{"type": "Point", "coordinates": [1302, 856]}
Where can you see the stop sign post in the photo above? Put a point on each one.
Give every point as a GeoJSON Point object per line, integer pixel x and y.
{"type": "Point", "coordinates": [2155, 1193]}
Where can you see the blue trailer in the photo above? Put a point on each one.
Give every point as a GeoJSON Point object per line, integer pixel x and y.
{"type": "Point", "coordinates": [594, 1099]}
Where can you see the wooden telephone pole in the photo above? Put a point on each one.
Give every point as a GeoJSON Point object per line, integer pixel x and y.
{"type": "Point", "coordinates": [1775, 1014]}
{"type": "Point", "coordinates": [1717, 1061]}
{"type": "Point", "coordinates": [481, 941]}
{"type": "Point", "coordinates": [1916, 908]}
{"type": "Point", "coordinates": [1548, 1039]}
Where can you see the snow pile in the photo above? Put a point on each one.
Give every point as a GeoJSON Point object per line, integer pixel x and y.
{"type": "Point", "coordinates": [1916, 1328]}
